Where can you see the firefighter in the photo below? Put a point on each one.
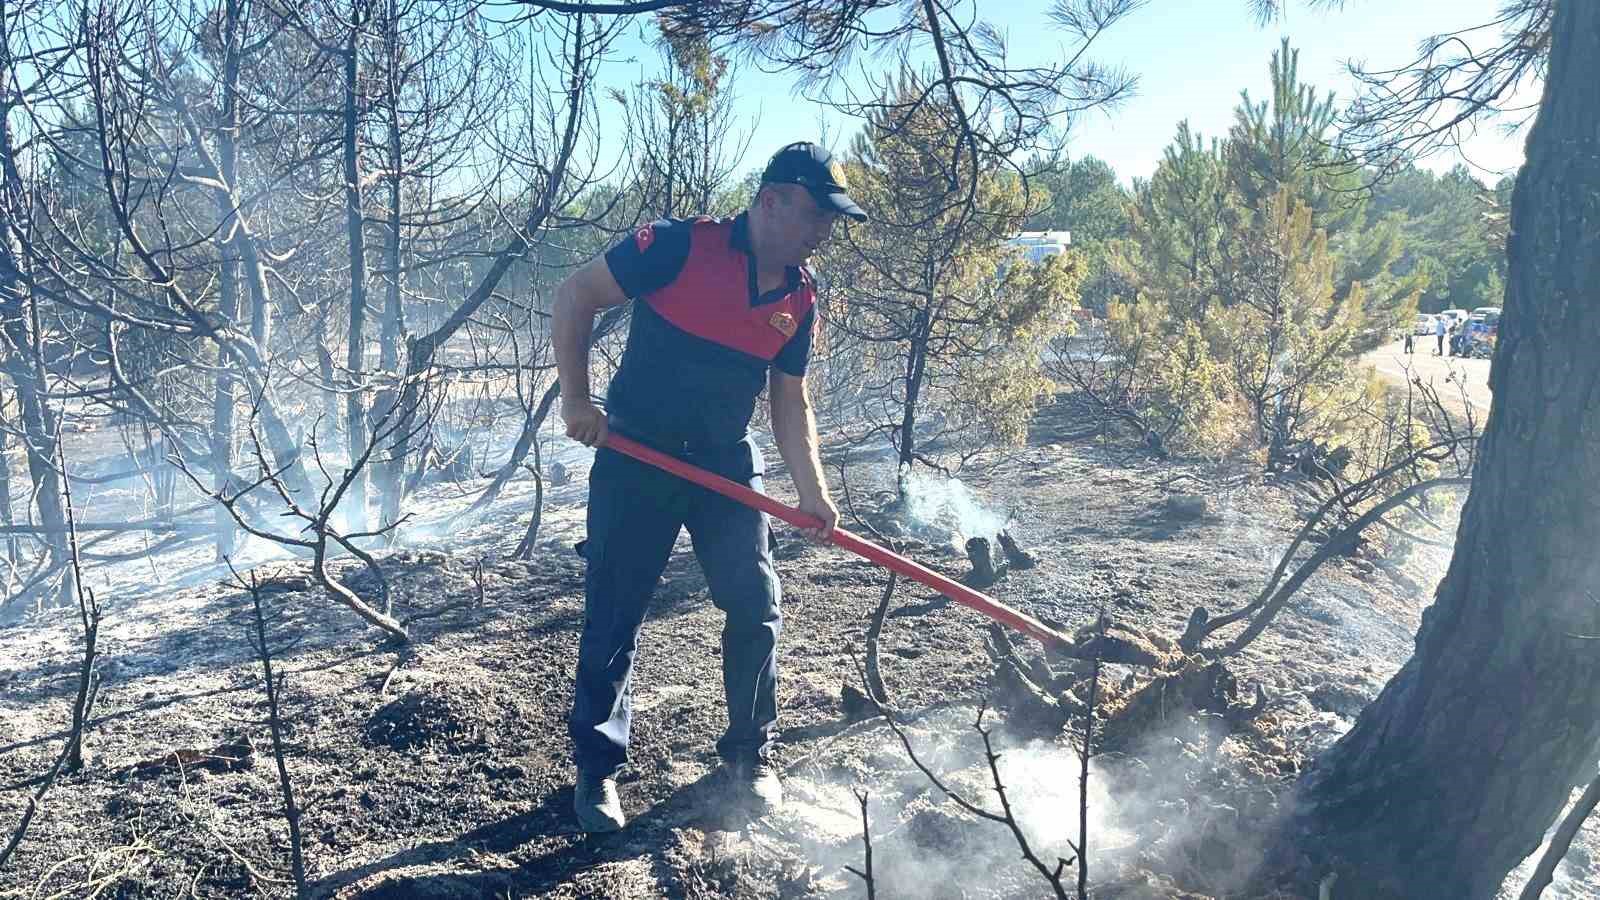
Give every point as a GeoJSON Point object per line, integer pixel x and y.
{"type": "Point", "coordinates": [722, 308]}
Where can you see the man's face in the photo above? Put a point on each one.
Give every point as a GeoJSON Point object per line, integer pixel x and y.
{"type": "Point", "coordinates": [799, 225]}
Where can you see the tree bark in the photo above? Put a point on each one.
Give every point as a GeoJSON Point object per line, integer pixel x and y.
{"type": "Point", "coordinates": [393, 324]}
{"type": "Point", "coordinates": [355, 352]}
{"type": "Point", "coordinates": [6, 519]}
{"type": "Point", "coordinates": [21, 347]}
{"type": "Point", "coordinates": [228, 299]}
{"type": "Point", "coordinates": [916, 364]}
{"type": "Point", "coordinates": [40, 428]}
{"type": "Point", "coordinates": [1453, 775]}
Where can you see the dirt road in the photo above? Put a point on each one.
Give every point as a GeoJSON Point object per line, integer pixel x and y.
{"type": "Point", "coordinates": [1446, 374]}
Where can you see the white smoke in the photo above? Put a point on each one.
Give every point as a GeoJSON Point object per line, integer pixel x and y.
{"type": "Point", "coordinates": [924, 844]}
{"type": "Point", "coordinates": [938, 502]}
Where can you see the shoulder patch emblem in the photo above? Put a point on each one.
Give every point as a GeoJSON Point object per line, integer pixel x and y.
{"type": "Point", "coordinates": [644, 237]}
{"type": "Point", "coordinates": [784, 323]}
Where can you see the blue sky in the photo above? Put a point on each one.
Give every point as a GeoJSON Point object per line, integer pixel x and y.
{"type": "Point", "coordinates": [1192, 59]}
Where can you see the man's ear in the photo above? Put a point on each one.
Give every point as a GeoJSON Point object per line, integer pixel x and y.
{"type": "Point", "coordinates": [776, 195]}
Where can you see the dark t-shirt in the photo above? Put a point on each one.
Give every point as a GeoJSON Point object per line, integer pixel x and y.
{"type": "Point", "coordinates": [703, 337]}
{"type": "Point", "coordinates": [642, 271]}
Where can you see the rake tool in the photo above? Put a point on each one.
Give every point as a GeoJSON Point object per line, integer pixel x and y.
{"type": "Point", "coordinates": [860, 546]}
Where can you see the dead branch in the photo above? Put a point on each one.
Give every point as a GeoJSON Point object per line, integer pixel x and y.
{"type": "Point", "coordinates": [865, 873]}
{"type": "Point", "coordinates": [876, 692]}
{"type": "Point", "coordinates": [291, 812]}
{"type": "Point", "coordinates": [1560, 842]}
{"type": "Point", "coordinates": [1338, 542]}
{"type": "Point", "coordinates": [1083, 772]}
{"type": "Point", "coordinates": [535, 418]}
{"type": "Point", "coordinates": [318, 522]}
{"type": "Point", "coordinates": [1005, 817]}
{"type": "Point", "coordinates": [1029, 690]}
{"type": "Point", "coordinates": [524, 549]}
{"type": "Point", "coordinates": [1202, 625]}
{"type": "Point", "coordinates": [89, 619]}
{"type": "Point", "coordinates": [70, 758]}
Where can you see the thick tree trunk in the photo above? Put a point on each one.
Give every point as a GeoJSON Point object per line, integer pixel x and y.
{"type": "Point", "coordinates": [1452, 776]}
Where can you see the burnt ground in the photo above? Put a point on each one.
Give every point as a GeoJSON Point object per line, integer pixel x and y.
{"type": "Point", "coordinates": [454, 780]}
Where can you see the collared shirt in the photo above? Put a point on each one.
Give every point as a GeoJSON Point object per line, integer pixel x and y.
{"type": "Point", "coordinates": [703, 336]}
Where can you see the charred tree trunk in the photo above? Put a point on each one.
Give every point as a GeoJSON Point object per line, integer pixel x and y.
{"type": "Point", "coordinates": [6, 519]}
{"type": "Point", "coordinates": [228, 299]}
{"type": "Point", "coordinates": [355, 355]}
{"type": "Point", "coordinates": [24, 362]}
{"type": "Point", "coordinates": [22, 359]}
{"type": "Point", "coordinates": [21, 344]}
{"type": "Point", "coordinates": [1452, 776]}
{"type": "Point", "coordinates": [393, 327]}
{"type": "Point", "coordinates": [916, 364]}
{"type": "Point", "coordinates": [327, 424]}
{"type": "Point", "coordinates": [403, 416]}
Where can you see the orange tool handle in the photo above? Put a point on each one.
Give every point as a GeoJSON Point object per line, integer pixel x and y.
{"type": "Point", "coordinates": [854, 543]}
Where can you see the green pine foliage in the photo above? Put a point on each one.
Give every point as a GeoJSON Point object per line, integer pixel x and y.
{"type": "Point", "coordinates": [1257, 269]}
{"type": "Point", "coordinates": [943, 321]}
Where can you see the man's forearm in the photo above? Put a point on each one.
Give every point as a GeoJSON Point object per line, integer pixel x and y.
{"type": "Point", "coordinates": [571, 325]}
{"type": "Point", "coordinates": [794, 429]}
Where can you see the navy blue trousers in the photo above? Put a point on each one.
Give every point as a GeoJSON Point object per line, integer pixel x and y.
{"type": "Point", "coordinates": [635, 513]}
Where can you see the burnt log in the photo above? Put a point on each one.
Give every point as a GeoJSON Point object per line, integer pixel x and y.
{"type": "Point", "coordinates": [984, 571]}
{"type": "Point", "coordinates": [1036, 699]}
{"type": "Point", "coordinates": [1015, 555]}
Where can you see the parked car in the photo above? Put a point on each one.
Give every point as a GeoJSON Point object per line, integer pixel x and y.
{"type": "Point", "coordinates": [1476, 336]}
{"type": "Point", "coordinates": [1423, 325]}
{"type": "Point", "coordinates": [1477, 343]}
{"type": "Point", "coordinates": [1489, 316]}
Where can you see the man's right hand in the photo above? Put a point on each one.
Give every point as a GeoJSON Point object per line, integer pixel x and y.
{"type": "Point", "coordinates": [586, 424]}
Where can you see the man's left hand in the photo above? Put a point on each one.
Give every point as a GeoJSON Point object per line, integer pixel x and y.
{"type": "Point", "coordinates": [822, 508]}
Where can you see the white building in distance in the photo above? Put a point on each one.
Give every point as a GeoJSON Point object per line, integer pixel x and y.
{"type": "Point", "coordinates": [1037, 245]}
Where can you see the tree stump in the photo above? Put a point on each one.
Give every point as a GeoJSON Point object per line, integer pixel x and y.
{"type": "Point", "coordinates": [984, 572]}
{"type": "Point", "coordinates": [1016, 556]}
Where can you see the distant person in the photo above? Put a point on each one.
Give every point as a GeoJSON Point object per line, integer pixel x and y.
{"type": "Point", "coordinates": [1439, 332]}
{"type": "Point", "coordinates": [723, 312]}
{"type": "Point", "coordinates": [1411, 340]}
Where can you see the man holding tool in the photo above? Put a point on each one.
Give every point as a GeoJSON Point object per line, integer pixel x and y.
{"type": "Point", "coordinates": [723, 309]}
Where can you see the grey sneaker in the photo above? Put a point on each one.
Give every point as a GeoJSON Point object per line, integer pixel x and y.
{"type": "Point", "coordinates": [755, 786]}
{"type": "Point", "coordinates": [594, 799]}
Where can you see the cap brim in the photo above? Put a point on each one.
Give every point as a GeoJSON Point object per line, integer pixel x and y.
{"type": "Point", "coordinates": [840, 202]}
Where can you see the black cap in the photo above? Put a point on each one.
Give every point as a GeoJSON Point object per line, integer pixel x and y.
{"type": "Point", "coordinates": [813, 168]}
